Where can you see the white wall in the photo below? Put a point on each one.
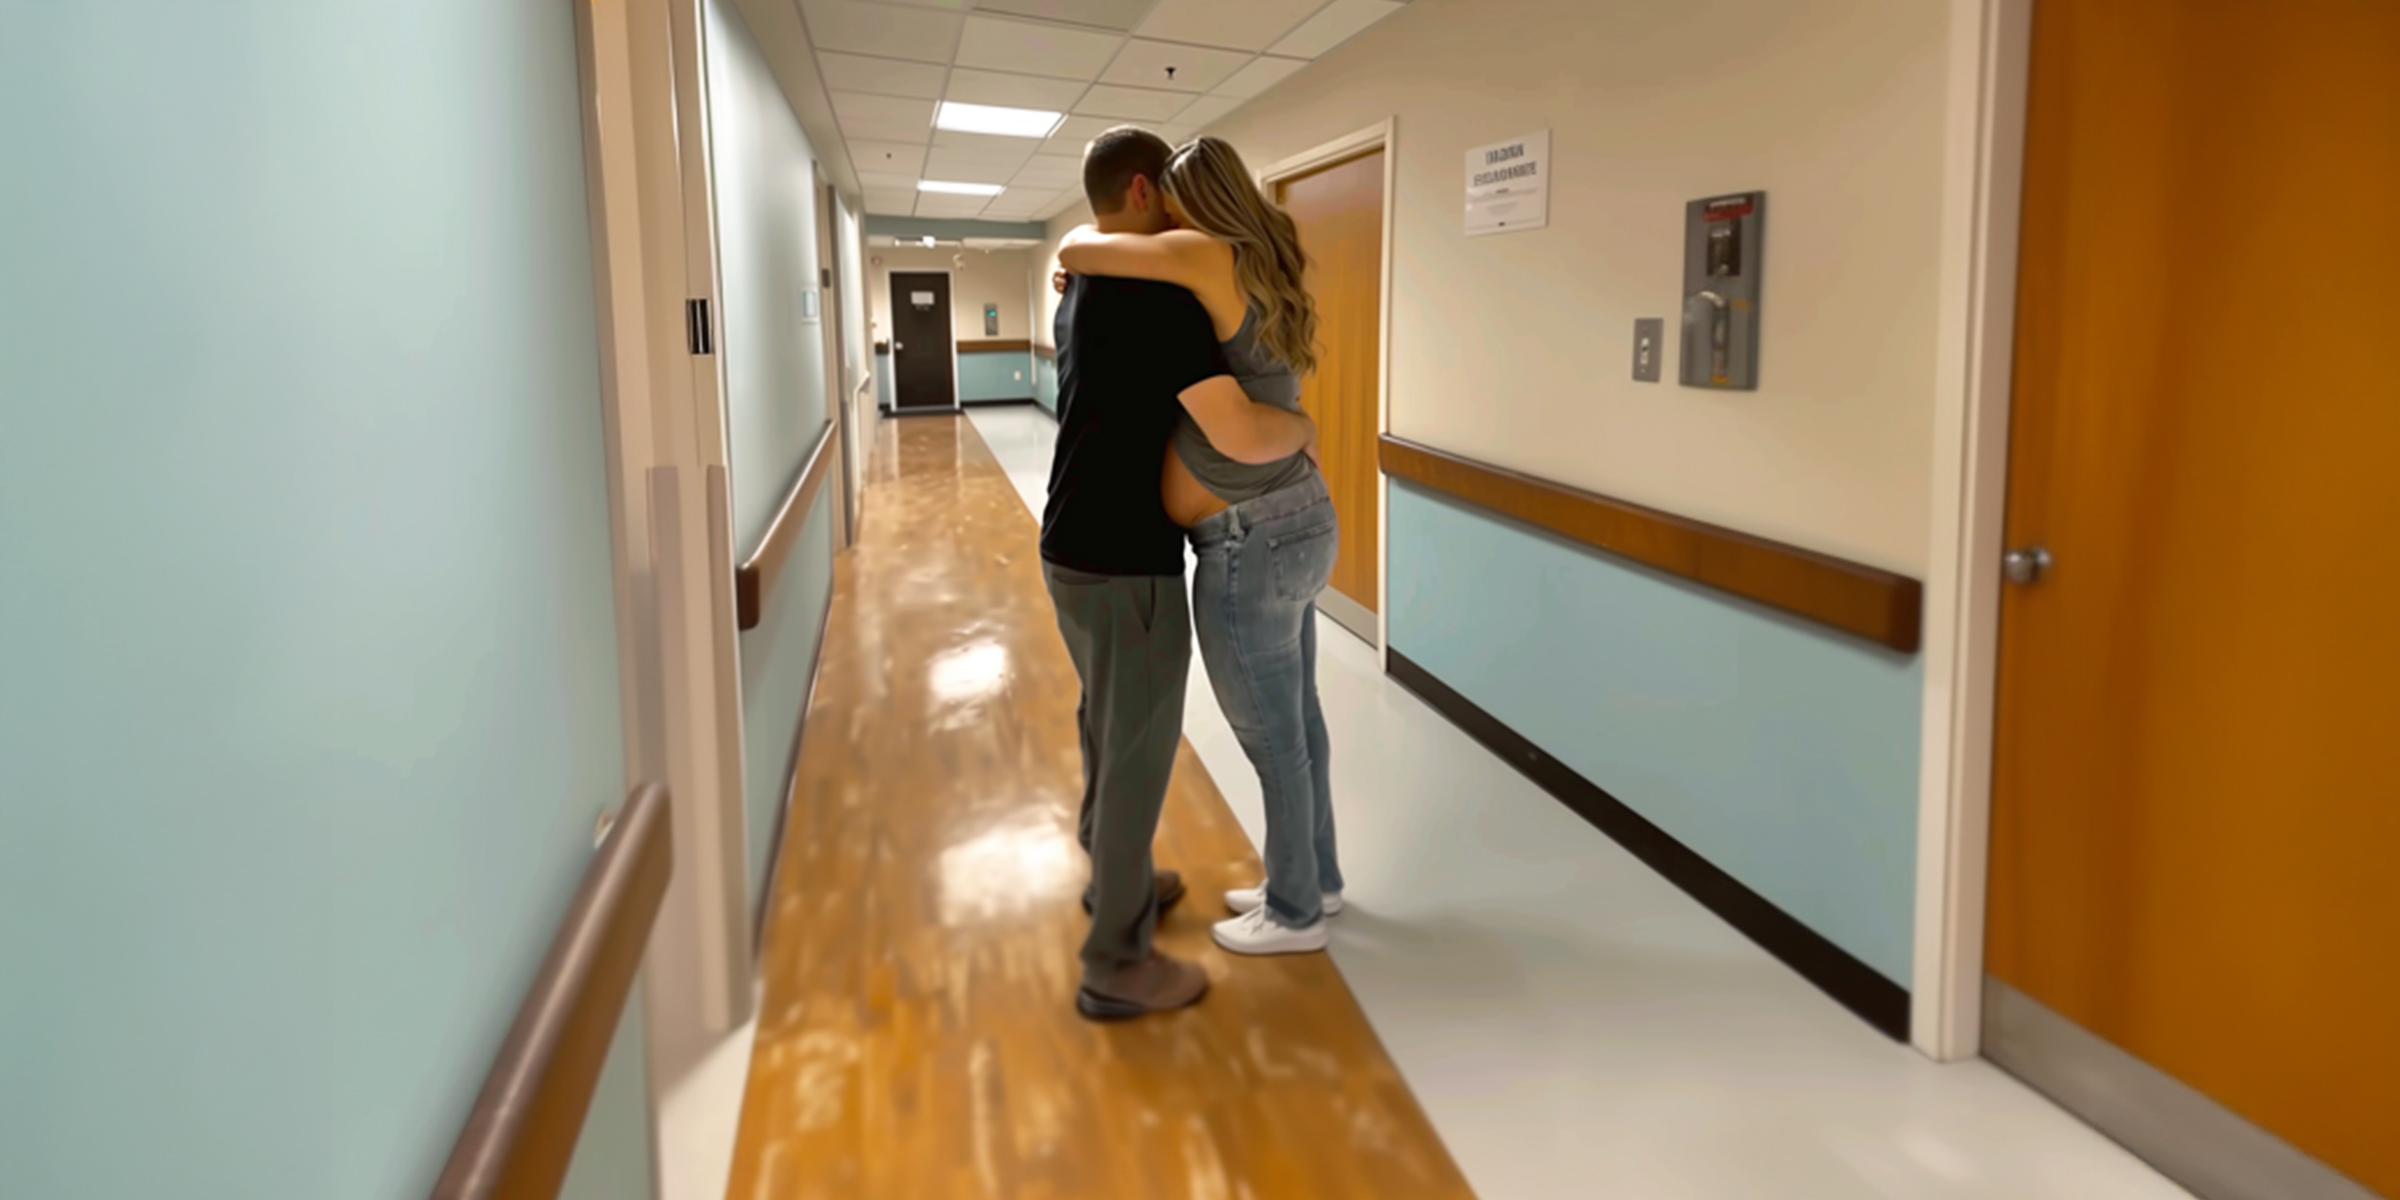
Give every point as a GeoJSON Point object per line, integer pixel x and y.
{"type": "Point", "coordinates": [977, 278]}
{"type": "Point", "coordinates": [1044, 260]}
{"type": "Point", "coordinates": [1516, 349]}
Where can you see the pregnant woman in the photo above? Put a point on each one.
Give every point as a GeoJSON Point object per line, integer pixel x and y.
{"type": "Point", "coordinates": [1265, 534]}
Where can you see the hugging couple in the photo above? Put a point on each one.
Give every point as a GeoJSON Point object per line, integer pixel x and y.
{"type": "Point", "coordinates": [1182, 339]}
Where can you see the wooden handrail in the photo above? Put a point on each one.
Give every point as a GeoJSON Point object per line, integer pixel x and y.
{"type": "Point", "coordinates": [522, 1132]}
{"type": "Point", "coordinates": [755, 577]}
{"type": "Point", "coordinates": [995, 345]}
{"type": "Point", "coordinates": [1877, 605]}
{"type": "Point", "coordinates": [1046, 352]}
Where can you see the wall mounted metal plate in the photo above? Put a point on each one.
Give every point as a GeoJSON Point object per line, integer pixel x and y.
{"type": "Point", "coordinates": [1724, 245]}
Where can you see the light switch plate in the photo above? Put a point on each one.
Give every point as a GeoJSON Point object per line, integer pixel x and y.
{"type": "Point", "coordinates": [1649, 348]}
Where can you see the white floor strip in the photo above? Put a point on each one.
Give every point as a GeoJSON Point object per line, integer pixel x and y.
{"type": "Point", "coordinates": [1575, 1025]}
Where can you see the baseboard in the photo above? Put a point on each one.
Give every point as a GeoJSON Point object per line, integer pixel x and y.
{"type": "Point", "coordinates": [1000, 403]}
{"type": "Point", "coordinates": [921, 412]}
{"type": "Point", "coordinates": [1853, 984]}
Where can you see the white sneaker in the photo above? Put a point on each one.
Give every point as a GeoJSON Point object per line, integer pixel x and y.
{"type": "Point", "coordinates": [1252, 899]}
{"type": "Point", "coordinates": [1255, 932]}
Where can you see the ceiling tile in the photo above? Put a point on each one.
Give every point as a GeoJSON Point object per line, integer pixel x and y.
{"type": "Point", "coordinates": [1207, 109]}
{"type": "Point", "coordinates": [1259, 76]}
{"type": "Point", "coordinates": [1341, 21]}
{"type": "Point", "coordinates": [887, 181]}
{"type": "Point", "coordinates": [1132, 104]}
{"type": "Point", "coordinates": [893, 202]}
{"type": "Point", "coordinates": [885, 131]}
{"type": "Point", "coordinates": [885, 30]}
{"type": "Point", "coordinates": [958, 170]}
{"type": "Point", "coordinates": [881, 76]}
{"type": "Point", "coordinates": [1195, 68]}
{"type": "Point", "coordinates": [971, 86]}
{"type": "Point", "coordinates": [1107, 14]}
{"type": "Point", "coordinates": [1074, 133]}
{"type": "Point", "coordinates": [1031, 49]}
{"type": "Point", "coordinates": [1049, 172]}
{"type": "Point", "coordinates": [986, 147]}
{"type": "Point", "coordinates": [858, 107]}
{"type": "Point", "coordinates": [1233, 24]}
{"type": "Point", "coordinates": [891, 158]}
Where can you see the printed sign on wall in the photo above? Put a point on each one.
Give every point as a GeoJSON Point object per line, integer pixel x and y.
{"type": "Point", "coordinates": [1508, 185]}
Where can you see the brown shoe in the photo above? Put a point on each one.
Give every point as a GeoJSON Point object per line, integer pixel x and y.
{"type": "Point", "coordinates": [1170, 890]}
{"type": "Point", "coordinates": [1161, 984]}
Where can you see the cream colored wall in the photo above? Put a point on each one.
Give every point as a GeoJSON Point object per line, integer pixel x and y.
{"type": "Point", "coordinates": [977, 279]}
{"type": "Point", "coordinates": [1516, 349]}
{"type": "Point", "coordinates": [1045, 264]}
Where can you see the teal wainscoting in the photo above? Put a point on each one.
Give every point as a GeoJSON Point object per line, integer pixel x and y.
{"type": "Point", "coordinates": [1784, 754]}
{"type": "Point", "coordinates": [883, 380]}
{"type": "Point", "coordinates": [995, 375]}
{"type": "Point", "coordinates": [1045, 383]}
{"type": "Point", "coordinates": [779, 664]}
{"type": "Point", "coordinates": [308, 638]}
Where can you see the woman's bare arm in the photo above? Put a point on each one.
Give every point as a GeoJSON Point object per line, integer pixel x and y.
{"type": "Point", "coordinates": [1183, 257]}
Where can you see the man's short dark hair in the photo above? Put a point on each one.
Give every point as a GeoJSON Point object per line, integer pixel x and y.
{"type": "Point", "coordinates": [1115, 158]}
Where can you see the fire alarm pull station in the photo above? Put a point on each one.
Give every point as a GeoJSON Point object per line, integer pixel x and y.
{"type": "Point", "coordinates": [1724, 243]}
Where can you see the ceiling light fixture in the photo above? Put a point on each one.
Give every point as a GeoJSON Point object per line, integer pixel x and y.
{"type": "Point", "coordinates": [959, 189]}
{"type": "Point", "coordinates": [986, 118]}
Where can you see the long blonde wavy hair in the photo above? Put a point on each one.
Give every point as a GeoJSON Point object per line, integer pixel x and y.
{"type": "Point", "coordinates": [1212, 187]}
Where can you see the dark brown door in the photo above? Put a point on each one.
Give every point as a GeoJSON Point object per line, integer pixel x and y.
{"type": "Point", "coordinates": [2195, 811]}
{"type": "Point", "coordinates": [1339, 210]}
{"type": "Point", "coordinates": [924, 363]}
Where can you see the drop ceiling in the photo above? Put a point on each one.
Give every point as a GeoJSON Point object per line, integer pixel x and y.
{"type": "Point", "coordinates": [1173, 65]}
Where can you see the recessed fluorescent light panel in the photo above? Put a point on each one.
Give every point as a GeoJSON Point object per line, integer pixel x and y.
{"type": "Point", "coordinates": [986, 118]}
{"type": "Point", "coordinates": [959, 189]}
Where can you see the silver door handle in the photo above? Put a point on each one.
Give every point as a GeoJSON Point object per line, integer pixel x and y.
{"type": "Point", "coordinates": [2026, 565]}
{"type": "Point", "coordinates": [896, 347]}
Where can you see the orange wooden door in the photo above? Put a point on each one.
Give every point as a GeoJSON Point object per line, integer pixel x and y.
{"type": "Point", "coordinates": [2195, 816]}
{"type": "Point", "coordinates": [1340, 213]}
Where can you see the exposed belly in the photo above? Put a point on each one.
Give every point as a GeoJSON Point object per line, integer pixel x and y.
{"type": "Point", "coordinates": [1188, 501]}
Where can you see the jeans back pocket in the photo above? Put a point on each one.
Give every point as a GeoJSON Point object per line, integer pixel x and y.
{"type": "Point", "coordinates": [1302, 561]}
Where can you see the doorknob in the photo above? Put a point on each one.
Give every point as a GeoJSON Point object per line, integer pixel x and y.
{"type": "Point", "coordinates": [897, 347]}
{"type": "Point", "coordinates": [2026, 565]}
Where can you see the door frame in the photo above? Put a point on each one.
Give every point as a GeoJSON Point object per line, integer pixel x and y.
{"type": "Point", "coordinates": [1384, 135]}
{"type": "Point", "coordinates": [1982, 181]}
{"type": "Point", "coordinates": [837, 348]}
{"type": "Point", "coordinates": [949, 335]}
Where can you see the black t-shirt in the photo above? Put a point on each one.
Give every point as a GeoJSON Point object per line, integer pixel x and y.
{"type": "Point", "coordinates": [1127, 351]}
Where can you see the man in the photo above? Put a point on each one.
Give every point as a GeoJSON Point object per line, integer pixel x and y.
{"type": "Point", "coordinates": [1133, 357]}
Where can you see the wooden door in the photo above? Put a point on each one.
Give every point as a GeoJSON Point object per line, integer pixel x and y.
{"type": "Point", "coordinates": [2194, 812]}
{"type": "Point", "coordinates": [924, 359]}
{"type": "Point", "coordinates": [1340, 213]}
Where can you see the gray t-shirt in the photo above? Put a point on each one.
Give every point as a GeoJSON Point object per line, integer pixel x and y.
{"type": "Point", "coordinates": [1268, 381]}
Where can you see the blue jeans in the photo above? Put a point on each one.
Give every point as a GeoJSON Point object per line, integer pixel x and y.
{"type": "Point", "coordinates": [1262, 563]}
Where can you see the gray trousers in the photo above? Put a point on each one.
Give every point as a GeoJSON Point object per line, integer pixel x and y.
{"type": "Point", "coordinates": [1131, 639]}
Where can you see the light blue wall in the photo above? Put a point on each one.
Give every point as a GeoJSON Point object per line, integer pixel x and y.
{"type": "Point", "coordinates": [773, 354]}
{"type": "Point", "coordinates": [883, 380]}
{"type": "Point", "coordinates": [775, 401]}
{"type": "Point", "coordinates": [1045, 383]}
{"type": "Point", "coordinates": [995, 375]}
{"type": "Point", "coordinates": [1785, 755]}
{"type": "Point", "coordinates": [616, 1159]}
{"type": "Point", "coordinates": [778, 664]}
{"type": "Point", "coordinates": [308, 679]}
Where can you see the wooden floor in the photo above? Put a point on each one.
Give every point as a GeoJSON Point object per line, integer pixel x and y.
{"type": "Point", "coordinates": [918, 1036]}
